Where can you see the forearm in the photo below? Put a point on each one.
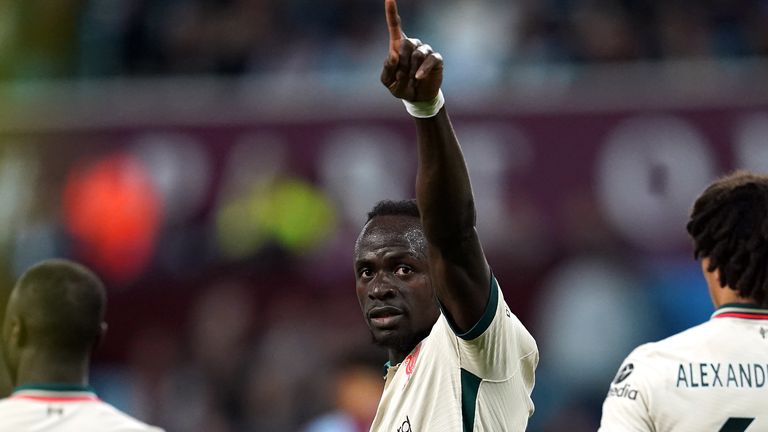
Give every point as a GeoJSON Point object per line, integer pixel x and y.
{"type": "Point", "coordinates": [443, 189]}
{"type": "Point", "coordinates": [460, 273]}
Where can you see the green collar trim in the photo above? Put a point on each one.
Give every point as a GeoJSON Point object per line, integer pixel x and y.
{"type": "Point", "coordinates": [741, 310]}
{"type": "Point", "coordinates": [485, 320]}
{"type": "Point", "coordinates": [55, 387]}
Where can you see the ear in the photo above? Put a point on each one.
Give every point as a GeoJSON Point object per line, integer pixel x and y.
{"type": "Point", "coordinates": [15, 332]}
{"type": "Point", "coordinates": [711, 276]}
{"type": "Point", "coordinates": [102, 334]}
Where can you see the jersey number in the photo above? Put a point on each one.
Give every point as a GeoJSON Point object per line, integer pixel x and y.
{"type": "Point", "coordinates": [736, 424]}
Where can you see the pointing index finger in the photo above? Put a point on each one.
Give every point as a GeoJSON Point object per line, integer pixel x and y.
{"type": "Point", "coordinates": [393, 24]}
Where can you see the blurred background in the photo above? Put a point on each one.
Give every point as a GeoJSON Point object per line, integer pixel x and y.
{"type": "Point", "coordinates": [213, 161]}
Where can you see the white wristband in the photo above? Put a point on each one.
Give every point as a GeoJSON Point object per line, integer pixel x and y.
{"type": "Point", "coordinates": [425, 109]}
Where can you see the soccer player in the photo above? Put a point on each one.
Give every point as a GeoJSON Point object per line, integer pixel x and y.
{"type": "Point", "coordinates": [54, 320]}
{"type": "Point", "coordinates": [714, 376]}
{"type": "Point", "coordinates": [459, 360]}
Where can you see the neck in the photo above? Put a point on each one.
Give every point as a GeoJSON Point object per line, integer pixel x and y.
{"type": "Point", "coordinates": [396, 356]}
{"type": "Point", "coordinates": [397, 352]}
{"type": "Point", "coordinates": [43, 368]}
{"type": "Point", "coordinates": [722, 296]}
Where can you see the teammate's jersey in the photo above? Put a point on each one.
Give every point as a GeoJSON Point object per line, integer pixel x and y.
{"type": "Point", "coordinates": [55, 408]}
{"type": "Point", "coordinates": [477, 381]}
{"type": "Point", "coordinates": [710, 378]}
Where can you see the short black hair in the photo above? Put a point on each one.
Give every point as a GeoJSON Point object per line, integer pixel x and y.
{"type": "Point", "coordinates": [395, 208]}
{"type": "Point", "coordinates": [64, 304]}
{"type": "Point", "coordinates": [729, 225]}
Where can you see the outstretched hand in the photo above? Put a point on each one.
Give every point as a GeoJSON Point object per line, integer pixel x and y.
{"type": "Point", "coordinates": [412, 71]}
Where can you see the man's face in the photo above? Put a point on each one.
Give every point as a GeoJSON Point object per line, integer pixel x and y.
{"type": "Point", "coordinates": [393, 283]}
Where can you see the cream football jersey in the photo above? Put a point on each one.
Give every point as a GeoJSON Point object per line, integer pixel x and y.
{"type": "Point", "coordinates": [709, 378]}
{"type": "Point", "coordinates": [477, 381]}
{"type": "Point", "coordinates": [55, 408]}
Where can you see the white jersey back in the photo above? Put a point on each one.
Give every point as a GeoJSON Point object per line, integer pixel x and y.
{"type": "Point", "coordinates": [51, 409]}
{"type": "Point", "coordinates": [710, 378]}
{"type": "Point", "coordinates": [477, 381]}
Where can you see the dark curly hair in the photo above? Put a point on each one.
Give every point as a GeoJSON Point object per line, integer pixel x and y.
{"type": "Point", "coordinates": [729, 225]}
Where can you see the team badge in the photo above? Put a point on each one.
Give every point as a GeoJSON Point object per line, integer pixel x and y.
{"type": "Point", "coordinates": [410, 361]}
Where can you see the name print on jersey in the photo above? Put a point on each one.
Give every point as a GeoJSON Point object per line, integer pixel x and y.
{"type": "Point", "coordinates": [732, 375]}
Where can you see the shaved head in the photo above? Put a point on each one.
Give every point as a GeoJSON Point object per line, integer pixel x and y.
{"type": "Point", "coordinates": [57, 307]}
{"type": "Point", "coordinates": [394, 228]}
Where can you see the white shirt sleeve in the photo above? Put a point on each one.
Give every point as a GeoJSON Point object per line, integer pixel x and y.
{"type": "Point", "coordinates": [498, 346]}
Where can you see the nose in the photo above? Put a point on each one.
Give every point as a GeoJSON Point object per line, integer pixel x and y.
{"type": "Point", "coordinates": [380, 288]}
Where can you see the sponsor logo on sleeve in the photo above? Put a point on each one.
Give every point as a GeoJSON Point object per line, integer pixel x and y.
{"type": "Point", "coordinates": [624, 373]}
{"type": "Point", "coordinates": [625, 391]}
{"type": "Point", "coordinates": [406, 426]}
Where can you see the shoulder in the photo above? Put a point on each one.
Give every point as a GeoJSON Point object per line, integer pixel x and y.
{"type": "Point", "coordinates": [679, 344]}
{"type": "Point", "coordinates": [497, 347]}
{"type": "Point", "coordinates": [17, 415]}
{"type": "Point", "coordinates": [496, 316]}
{"type": "Point", "coordinates": [122, 422]}
{"type": "Point", "coordinates": [646, 361]}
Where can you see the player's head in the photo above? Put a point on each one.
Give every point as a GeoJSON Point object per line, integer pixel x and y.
{"type": "Point", "coordinates": [729, 227]}
{"type": "Point", "coordinates": [392, 276]}
{"type": "Point", "coordinates": [55, 312]}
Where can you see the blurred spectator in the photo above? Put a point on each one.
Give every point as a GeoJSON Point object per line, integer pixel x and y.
{"type": "Point", "coordinates": [236, 37]}
{"type": "Point", "coordinates": [595, 284]}
{"type": "Point", "coordinates": [358, 385]}
{"type": "Point", "coordinates": [38, 39]}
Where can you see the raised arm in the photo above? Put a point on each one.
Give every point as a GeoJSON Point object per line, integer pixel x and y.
{"type": "Point", "coordinates": [460, 274]}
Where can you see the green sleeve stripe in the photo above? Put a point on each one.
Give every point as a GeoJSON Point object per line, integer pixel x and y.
{"type": "Point", "coordinates": [470, 385]}
{"type": "Point", "coordinates": [485, 321]}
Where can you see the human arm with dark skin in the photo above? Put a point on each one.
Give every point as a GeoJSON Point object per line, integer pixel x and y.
{"type": "Point", "coordinates": [459, 271]}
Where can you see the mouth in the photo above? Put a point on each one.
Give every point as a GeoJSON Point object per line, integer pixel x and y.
{"type": "Point", "coordinates": [383, 317]}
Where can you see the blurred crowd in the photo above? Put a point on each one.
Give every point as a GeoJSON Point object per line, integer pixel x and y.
{"type": "Point", "coordinates": [231, 305]}
{"type": "Point", "coordinates": [97, 38]}
{"type": "Point", "coordinates": [227, 248]}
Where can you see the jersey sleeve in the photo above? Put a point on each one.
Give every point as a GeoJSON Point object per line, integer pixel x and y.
{"type": "Point", "coordinates": [625, 408]}
{"type": "Point", "coordinates": [498, 346]}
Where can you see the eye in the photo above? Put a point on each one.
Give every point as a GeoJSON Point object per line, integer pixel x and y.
{"type": "Point", "coordinates": [403, 270]}
{"type": "Point", "coordinates": [365, 273]}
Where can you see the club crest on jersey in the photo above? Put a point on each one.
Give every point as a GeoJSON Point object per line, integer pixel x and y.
{"type": "Point", "coordinates": [410, 361]}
